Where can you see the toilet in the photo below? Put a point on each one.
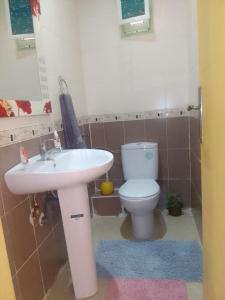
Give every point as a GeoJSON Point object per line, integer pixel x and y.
{"type": "Point", "coordinates": [139, 195]}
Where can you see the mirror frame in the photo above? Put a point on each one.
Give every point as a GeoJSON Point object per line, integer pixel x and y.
{"type": "Point", "coordinates": [10, 108]}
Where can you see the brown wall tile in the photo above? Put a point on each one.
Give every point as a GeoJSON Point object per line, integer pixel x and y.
{"type": "Point", "coordinates": [53, 255]}
{"type": "Point", "coordinates": [9, 248]}
{"type": "Point", "coordinates": [91, 192]}
{"type": "Point", "coordinates": [156, 132]}
{"type": "Point", "coordinates": [49, 261]}
{"type": "Point", "coordinates": [164, 188]}
{"type": "Point", "coordinates": [29, 278]}
{"type": "Point", "coordinates": [183, 189]}
{"type": "Point", "coordinates": [116, 172]}
{"type": "Point", "coordinates": [134, 131]}
{"type": "Point", "coordinates": [62, 138]}
{"type": "Point", "coordinates": [195, 198]}
{"type": "Point", "coordinates": [32, 146]}
{"type": "Point", "coordinates": [1, 203]}
{"type": "Point", "coordinates": [91, 188]}
{"type": "Point", "coordinates": [107, 206]}
{"type": "Point", "coordinates": [9, 157]}
{"type": "Point", "coordinates": [97, 135]}
{"type": "Point", "coordinates": [56, 214]}
{"type": "Point", "coordinates": [81, 128]}
{"type": "Point", "coordinates": [163, 164]}
{"type": "Point", "coordinates": [60, 241]}
{"type": "Point", "coordinates": [47, 137]}
{"type": "Point", "coordinates": [86, 135]}
{"type": "Point", "coordinates": [114, 135]}
{"type": "Point", "coordinates": [22, 233]}
{"type": "Point", "coordinates": [179, 164]}
{"type": "Point", "coordinates": [178, 132]}
{"type": "Point", "coordinates": [9, 200]}
{"type": "Point", "coordinates": [41, 232]}
{"type": "Point", "coordinates": [196, 195]}
{"type": "Point", "coordinates": [118, 182]}
{"type": "Point", "coordinates": [196, 173]}
{"type": "Point", "coordinates": [17, 288]}
{"type": "Point", "coordinates": [195, 135]}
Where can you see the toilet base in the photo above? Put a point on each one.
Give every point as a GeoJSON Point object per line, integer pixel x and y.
{"type": "Point", "coordinates": [143, 226]}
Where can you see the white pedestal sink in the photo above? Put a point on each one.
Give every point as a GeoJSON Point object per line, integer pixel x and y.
{"type": "Point", "coordinates": [69, 174]}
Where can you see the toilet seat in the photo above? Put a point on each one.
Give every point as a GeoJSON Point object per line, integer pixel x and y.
{"type": "Point", "coordinates": [142, 189]}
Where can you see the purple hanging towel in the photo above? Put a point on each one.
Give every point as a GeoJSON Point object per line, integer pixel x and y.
{"type": "Point", "coordinates": [73, 138]}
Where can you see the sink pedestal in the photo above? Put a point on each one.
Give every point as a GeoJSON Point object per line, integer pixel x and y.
{"type": "Point", "coordinates": [74, 204]}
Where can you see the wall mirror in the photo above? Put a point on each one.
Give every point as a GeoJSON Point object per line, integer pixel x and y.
{"type": "Point", "coordinates": [23, 74]}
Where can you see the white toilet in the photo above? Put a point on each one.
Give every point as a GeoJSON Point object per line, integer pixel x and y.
{"type": "Point", "coordinates": [140, 193]}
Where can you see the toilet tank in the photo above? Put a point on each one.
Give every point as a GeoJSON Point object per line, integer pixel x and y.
{"type": "Point", "coordinates": [140, 160]}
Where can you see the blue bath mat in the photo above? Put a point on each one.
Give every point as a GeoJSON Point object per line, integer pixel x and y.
{"type": "Point", "coordinates": [162, 259]}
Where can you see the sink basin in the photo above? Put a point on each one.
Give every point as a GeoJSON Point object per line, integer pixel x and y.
{"type": "Point", "coordinates": [68, 172]}
{"type": "Point", "coordinates": [68, 168]}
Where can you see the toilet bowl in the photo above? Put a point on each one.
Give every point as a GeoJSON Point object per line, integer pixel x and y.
{"type": "Point", "coordinates": [140, 198]}
{"type": "Point", "coordinates": [140, 193]}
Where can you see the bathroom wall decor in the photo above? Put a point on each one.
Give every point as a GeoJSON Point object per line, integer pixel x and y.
{"type": "Point", "coordinates": [18, 108]}
{"type": "Point", "coordinates": [24, 133]}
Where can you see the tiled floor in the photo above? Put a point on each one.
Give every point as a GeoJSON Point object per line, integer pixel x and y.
{"type": "Point", "coordinates": [181, 228]}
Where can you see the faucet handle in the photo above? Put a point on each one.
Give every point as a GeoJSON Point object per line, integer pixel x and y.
{"type": "Point", "coordinates": [42, 148]}
{"type": "Point", "coordinates": [57, 141]}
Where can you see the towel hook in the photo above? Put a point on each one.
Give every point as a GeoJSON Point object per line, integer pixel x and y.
{"type": "Point", "coordinates": [62, 85]}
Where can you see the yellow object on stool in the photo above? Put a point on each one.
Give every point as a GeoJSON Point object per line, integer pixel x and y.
{"type": "Point", "coordinates": [106, 188]}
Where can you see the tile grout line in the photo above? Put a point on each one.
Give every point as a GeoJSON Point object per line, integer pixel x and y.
{"type": "Point", "coordinates": [196, 190]}
{"type": "Point", "coordinates": [16, 206]}
{"type": "Point", "coordinates": [195, 155]}
{"type": "Point", "coordinates": [38, 257]}
{"type": "Point", "coordinates": [26, 261]}
{"type": "Point", "coordinates": [8, 231]}
{"type": "Point", "coordinates": [36, 251]}
{"type": "Point", "coordinates": [153, 114]}
{"type": "Point", "coordinates": [18, 285]}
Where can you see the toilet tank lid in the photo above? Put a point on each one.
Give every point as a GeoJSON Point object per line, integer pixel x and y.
{"type": "Point", "coordinates": [140, 145]}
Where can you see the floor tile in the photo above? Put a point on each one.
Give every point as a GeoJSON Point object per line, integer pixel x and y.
{"type": "Point", "coordinates": [167, 227]}
{"type": "Point", "coordinates": [194, 291]}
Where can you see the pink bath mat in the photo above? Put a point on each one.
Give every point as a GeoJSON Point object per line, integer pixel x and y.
{"type": "Point", "coordinates": [145, 289]}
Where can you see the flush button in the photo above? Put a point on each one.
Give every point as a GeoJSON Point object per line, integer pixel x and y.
{"type": "Point", "coordinates": [149, 155]}
{"type": "Point", "coordinates": [78, 216]}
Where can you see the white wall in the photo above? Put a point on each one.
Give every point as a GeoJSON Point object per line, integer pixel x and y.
{"type": "Point", "coordinates": [140, 73]}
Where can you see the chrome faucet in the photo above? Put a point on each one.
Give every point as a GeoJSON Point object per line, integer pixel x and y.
{"type": "Point", "coordinates": [46, 152]}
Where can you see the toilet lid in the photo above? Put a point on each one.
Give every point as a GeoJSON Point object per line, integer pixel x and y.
{"type": "Point", "coordinates": [139, 188]}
